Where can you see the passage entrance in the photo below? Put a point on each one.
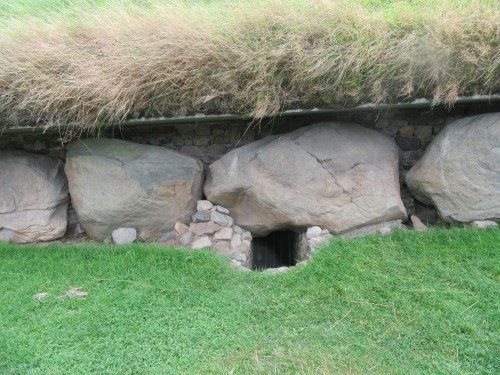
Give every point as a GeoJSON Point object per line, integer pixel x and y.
{"type": "Point", "coordinates": [277, 249]}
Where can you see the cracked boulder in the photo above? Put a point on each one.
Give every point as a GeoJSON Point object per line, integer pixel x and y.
{"type": "Point", "coordinates": [117, 184]}
{"type": "Point", "coordinates": [337, 176]}
{"type": "Point", "coordinates": [33, 197]}
{"type": "Point", "coordinates": [459, 172]}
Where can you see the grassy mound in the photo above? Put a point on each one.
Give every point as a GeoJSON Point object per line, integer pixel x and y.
{"type": "Point", "coordinates": [406, 304]}
{"type": "Point", "coordinates": [91, 62]}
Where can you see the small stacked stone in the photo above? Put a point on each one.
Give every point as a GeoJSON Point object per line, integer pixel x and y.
{"type": "Point", "coordinates": [212, 227]}
{"type": "Point", "coordinates": [317, 236]}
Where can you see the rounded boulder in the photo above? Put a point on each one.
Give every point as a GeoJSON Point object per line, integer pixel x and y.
{"type": "Point", "coordinates": [118, 184]}
{"type": "Point", "coordinates": [338, 176]}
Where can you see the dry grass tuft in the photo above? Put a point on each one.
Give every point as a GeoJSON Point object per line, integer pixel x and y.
{"type": "Point", "coordinates": [248, 57]}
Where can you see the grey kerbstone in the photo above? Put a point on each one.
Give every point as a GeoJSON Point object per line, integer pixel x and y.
{"type": "Point", "coordinates": [338, 176]}
{"type": "Point", "coordinates": [33, 197]}
{"type": "Point", "coordinates": [459, 172]}
{"type": "Point", "coordinates": [124, 236]}
{"type": "Point", "coordinates": [116, 184]}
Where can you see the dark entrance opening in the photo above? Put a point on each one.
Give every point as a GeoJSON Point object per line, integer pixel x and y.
{"type": "Point", "coordinates": [277, 249]}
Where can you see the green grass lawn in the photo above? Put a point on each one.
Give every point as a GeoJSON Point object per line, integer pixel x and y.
{"type": "Point", "coordinates": [404, 304]}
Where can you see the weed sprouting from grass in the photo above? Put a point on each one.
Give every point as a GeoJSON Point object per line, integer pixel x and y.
{"type": "Point", "coordinates": [99, 62]}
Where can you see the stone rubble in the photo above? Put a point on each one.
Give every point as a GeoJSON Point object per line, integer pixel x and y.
{"type": "Point", "coordinates": [212, 227]}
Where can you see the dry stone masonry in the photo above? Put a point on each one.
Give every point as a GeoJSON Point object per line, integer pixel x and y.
{"type": "Point", "coordinates": [212, 227]}
{"type": "Point", "coordinates": [348, 174]}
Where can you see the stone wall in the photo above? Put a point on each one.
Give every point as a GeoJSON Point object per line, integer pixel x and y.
{"type": "Point", "coordinates": [412, 129]}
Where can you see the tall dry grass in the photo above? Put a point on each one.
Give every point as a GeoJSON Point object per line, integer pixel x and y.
{"type": "Point", "coordinates": [249, 57]}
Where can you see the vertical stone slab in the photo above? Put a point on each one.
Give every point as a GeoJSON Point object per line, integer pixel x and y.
{"type": "Point", "coordinates": [33, 197]}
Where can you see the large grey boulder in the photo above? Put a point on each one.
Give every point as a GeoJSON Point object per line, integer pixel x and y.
{"type": "Point", "coordinates": [33, 197]}
{"type": "Point", "coordinates": [117, 184]}
{"type": "Point", "coordinates": [459, 172]}
{"type": "Point", "coordinates": [338, 176]}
